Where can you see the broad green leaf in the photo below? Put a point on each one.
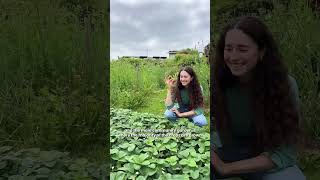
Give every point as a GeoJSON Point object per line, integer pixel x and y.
{"type": "Point", "coordinates": [183, 162]}
{"type": "Point", "coordinates": [148, 171]}
{"type": "Point", "coordinates": [155, 153]}
{"type": "Point", "coordinates": [145, 163]}
{"type": "Point", "coordinates": [152, 166]}
{"type": "Point", "coordinates": [193, 153]}
{"type": "Point", "coordinates": [193, 143]}
{"type": "Point", "coordinates": [194, 174]}
{"type": "Point", "coordinates": [149, 141]}
{"type": "Point", "coordinates": [201, 149]}
{"type": "Point", "coordinates": [172, 160]}
{"type": "Point", "coordinates": [141, 178]}
{"type": "Point", "coordinates": [124, 145]}
{"type": "Point", "coordinates": [128, 167]}
{"type": "Point", "coordinates": [191, 163]}
{"type": "Point", "coordinates": [207, 143]}
{"type": "Point", "coordinates": [136, 166]}
{"type": "Point", "coordinates": [131, 147]}
{"type": "Point", "coordinates": [184, 153]}
{"type": "Point", "coordinates": [174, 149]}
{"type": "Point", "coordinates": [114, 151]}
{"type": "Point", "coordinates": [161, 161]}
{"type": "Point", "coordinates": [179, 177]}
{"type": "Point", "coordinates": [120, 176]}
{"type": "Point", "coordinates": [121, 154]}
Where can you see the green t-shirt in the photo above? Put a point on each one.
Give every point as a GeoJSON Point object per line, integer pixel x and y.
{"type": "Point", "coordinates": [185, 101]}
{"type": "Point", "coordinates": [241, 115]}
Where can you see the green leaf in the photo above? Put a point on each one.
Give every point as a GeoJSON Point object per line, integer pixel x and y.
{"type": "Point", "coordinates": [148, 171]}
{"type": "Point", "coordinates": [121, 154]}
{"type": "Point", "coordinates": [183, 162]}
{"type": "Point", "coordinates": [179, 177]}
{"type": "Point", "coordinates": [194, 174]}
{"type": "Point", "coordinates": [193, 153]}
{"type": "Point", "coordinates": [207, 143]}
{"type": "Point", "coordinates": [165, 140]}
{"type": "Point", "coordinates": [161, 161]}
{"type": "Point", "coordinates": [172, 160]}
{"type": "Point", "coordinates": [136, 166]}
{"type": "Point", "coordinates": [124, 145]}
{"type": "Point", "coordinates": [201, 149]}
{"type": "Point", "coordinates": [119, 176]}
{"type": "Point", "coordinates": [191, 163]}
{"type": "Point", "coordinates": [184, 153]}
{"type": "Point", "coordinates": [114, 151]}
{"type": "Point", "coordinates": [141, 178]}
{"type": "Point", "coordinates": [145, 163]}
{"type": "Point", "coordinates": [131, 147]}
{"type": "Point", "coordinates": [128, 167]}
{"type": "Point", "coordinates": [152, 166]}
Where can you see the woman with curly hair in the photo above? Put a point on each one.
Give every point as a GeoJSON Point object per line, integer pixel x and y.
{"type": "Point", "coordinates": [255, 106]}
{"type": "Point", "coordinates": [184, 98]}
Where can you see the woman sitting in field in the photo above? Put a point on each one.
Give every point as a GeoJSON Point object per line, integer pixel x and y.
{"type": "Point", "coordinates": [184, 98]}
{"type": "Point", "coordinates": [255, 106]}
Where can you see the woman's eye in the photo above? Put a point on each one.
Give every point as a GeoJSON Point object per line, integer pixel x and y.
{"type": "Point", "coordinates": [243, 50]}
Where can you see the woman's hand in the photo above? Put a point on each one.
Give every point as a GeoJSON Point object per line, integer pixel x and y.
{"type": "Point", "coordinates": [176, 111]}
{"type": "Point", "coordinates": [221, 167]}
{"type": "Point", "coordinates": [170, 82]}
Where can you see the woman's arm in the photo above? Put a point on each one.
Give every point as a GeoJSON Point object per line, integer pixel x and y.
{"type": "Point", "coordinates": [256, 164]}
{"type": "Point", "coordinates": [170, 90]}
{"type": "Point", "coordinates": [184, 114]}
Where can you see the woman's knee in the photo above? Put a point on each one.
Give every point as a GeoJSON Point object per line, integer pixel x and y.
{"type": "Point", "coordinates": [200, 120]}
{"type": "Point", "coordinates": [170, 115]}
{"type": "Point", "coordinates": [292, 173]}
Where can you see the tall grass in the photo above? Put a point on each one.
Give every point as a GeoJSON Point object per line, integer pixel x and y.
{"type": "Point", "coordinates": [52, 93]}
{"type": "Point", "coordinates": [296, 28]}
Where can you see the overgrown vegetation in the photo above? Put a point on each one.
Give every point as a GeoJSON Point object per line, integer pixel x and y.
{"type": "Point", "coordinates": [52, 74]}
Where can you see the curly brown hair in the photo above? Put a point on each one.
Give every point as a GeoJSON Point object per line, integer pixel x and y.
{"type": "Point", "coordinates": [276, 118]}
{"type": "Point", "coordinates": [194, 89]}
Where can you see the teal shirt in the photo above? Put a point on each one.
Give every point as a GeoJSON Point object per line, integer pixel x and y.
{"type": "Point", "coordinates": [241, 115]}
{"type": "Point", "coordinates": [184, 94]}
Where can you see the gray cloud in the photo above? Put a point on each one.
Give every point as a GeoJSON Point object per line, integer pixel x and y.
{"type": "Point", "coordinates": [157, 26]}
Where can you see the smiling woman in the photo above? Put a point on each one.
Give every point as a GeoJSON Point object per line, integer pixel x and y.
{"type": "Point", "coordinates": [256, 106]}
{"type": "Point", "coordinates": [184, 98]}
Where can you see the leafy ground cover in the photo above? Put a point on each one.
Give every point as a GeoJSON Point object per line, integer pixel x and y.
{"type": "Point", "coordinates": [35, 164]}
{"type": "Point", "coordinates": [136, 154]}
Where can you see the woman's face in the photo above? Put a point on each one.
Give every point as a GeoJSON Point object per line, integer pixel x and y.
{"type": "Point", "coordinates": [185, 78]}
{"type": "Point", "coordinates": [241, 53]}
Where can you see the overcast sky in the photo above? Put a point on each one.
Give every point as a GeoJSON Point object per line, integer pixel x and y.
{"type": "Point", "coordinates": [153, 27]}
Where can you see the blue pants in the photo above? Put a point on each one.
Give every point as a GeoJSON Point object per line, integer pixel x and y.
{"type": "Point", "coordinates": [199, 120]}
{"type": "Point", "coordinates": [229, 155]}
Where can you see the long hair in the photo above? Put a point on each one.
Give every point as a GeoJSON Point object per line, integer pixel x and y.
{"type": "Point", "coordinates": [194, 89]}
{"type": "Point", "coordinates": [275, 117]}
